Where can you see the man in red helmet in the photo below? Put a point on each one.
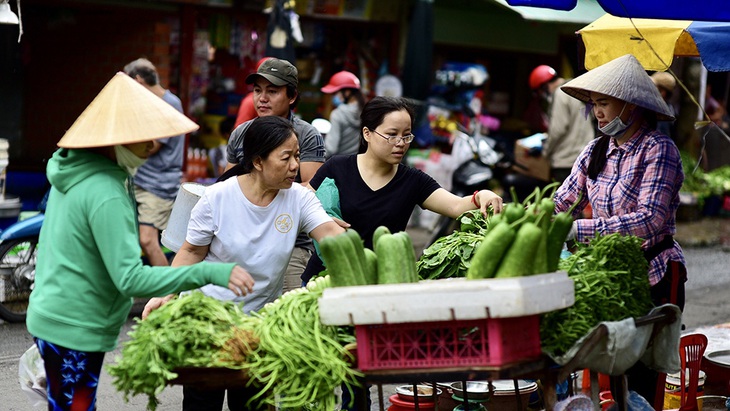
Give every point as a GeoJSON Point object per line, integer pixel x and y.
{"type": "Point", "coordinates": [344, 136]}
{"type": "Point", "coordinates": [569, 127]}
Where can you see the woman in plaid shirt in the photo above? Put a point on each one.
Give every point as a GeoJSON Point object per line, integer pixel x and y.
{"type": "Point", "coordinates": [631, 177]}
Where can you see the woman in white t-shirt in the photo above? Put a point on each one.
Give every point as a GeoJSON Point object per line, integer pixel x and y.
{"type": "Point", "coordinates": [252, 216]}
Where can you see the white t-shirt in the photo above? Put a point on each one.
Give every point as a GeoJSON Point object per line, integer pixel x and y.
{"type": "Point", "coordinates": [259, 239]}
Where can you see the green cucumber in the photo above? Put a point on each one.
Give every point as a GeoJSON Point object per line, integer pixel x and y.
{"type": "Point", "coordinates": [343, 265]}
{"type": "Point", "coordinates": [371, 267]}
{"type": "Point", "coordinates": [408, 262]}
{"type": "Point", "coordinates": [519, 259]}
{"type": "Point", "coordinates": [389, 251]}
{"type": "Point", "coordinates": [379, 232]}
{"type": "Point", "coordinates": [490, 252]}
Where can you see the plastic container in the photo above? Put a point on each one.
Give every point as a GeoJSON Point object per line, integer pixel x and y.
{"type": "Point", "coordinates": [398, 404]}
{"type": "Point", "coordinates": [672, 394]}
{"type": "Point", "coordinates": [485, 342]}
{"type": "Point", "coordinates": [177, 227]}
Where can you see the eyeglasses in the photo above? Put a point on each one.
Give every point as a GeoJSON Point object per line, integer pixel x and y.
{"type": "Point", "coordinates": [393, 140]}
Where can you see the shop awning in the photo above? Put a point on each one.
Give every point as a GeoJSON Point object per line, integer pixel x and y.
{"type": "Point", "coordinates": [494, 24]}
{"type": "Point", "coordinates": [584, 12]}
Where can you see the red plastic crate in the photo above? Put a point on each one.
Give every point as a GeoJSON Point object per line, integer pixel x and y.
{"type": "Point", "coordinates": [485, 342]}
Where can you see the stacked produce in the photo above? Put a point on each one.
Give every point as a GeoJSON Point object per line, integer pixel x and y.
{"type": "Point", "coordinates": [349, 263]}
{"type": "Point", "coordinates": [283, 348]}
{"type": "Point", "coordinates": [525, 239]}
{"type": "Point", "coordinates": [611, 284]}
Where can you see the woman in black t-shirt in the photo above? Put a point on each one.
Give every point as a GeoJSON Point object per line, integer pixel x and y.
{"type": "Point", "coordinates": [377, 190]}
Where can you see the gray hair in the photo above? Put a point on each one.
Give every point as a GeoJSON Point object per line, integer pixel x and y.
{"type": "Point", "coordinates": [143, 68]}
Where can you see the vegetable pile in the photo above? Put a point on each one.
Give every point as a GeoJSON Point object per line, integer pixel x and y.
{"type": "Point", "coordinates": [704, 183]}
{"type": "Point", "coordinates": [611, 284]}
{"type": "Point", "coordinates": [349, 263]}
{"type": "Point", "coordinates": [299, 360]}
{"type": "Point", "coordinates": [190, 331]}
{"type": "Point", "coordinates": [283, 348]}
{"type": "Point", "coordinates": [525, 239]}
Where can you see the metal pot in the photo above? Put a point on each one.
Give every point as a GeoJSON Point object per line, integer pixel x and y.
{"type": "Point", "coordinates": [475, 390]}
{"type": "Point", "coordinates": [425, 393]}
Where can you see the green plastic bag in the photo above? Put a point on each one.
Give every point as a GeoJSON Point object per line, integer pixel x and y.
{"type": "Point", "coordinates": [329, 195]}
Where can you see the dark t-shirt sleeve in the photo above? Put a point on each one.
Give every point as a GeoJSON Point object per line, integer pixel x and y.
{"type": "Point", "coordinates": [324, 171]}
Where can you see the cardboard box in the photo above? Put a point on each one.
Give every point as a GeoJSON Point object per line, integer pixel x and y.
{"type": "Point", "coordinates": [536, 166]}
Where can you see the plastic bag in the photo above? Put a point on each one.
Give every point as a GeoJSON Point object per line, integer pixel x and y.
{"type": "Point", "coordinates": [329, 195]}
{"type": "Point", "coordinates": [32, 377]}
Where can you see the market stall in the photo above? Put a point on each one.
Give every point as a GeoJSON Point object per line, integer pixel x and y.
{"type": "Point", "coordinates": [374, 319]}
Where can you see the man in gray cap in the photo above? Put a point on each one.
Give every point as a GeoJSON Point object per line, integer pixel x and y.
{"type": "Point", "coordinates": [275, 94]}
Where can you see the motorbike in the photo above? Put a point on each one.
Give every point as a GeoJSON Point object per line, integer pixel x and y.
{"type": "Point", "coordinates": [18, 252]}
{"type": "Point", "coordinates": [490, 163]}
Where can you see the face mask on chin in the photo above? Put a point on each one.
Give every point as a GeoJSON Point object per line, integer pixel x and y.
{"type": "Point", "coordinates": [615, 126]}
{"type": "Point", "coordinates": [128, 160]}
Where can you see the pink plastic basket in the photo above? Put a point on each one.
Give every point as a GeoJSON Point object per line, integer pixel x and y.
{"type": "Point", "coordinates": [486, 342]}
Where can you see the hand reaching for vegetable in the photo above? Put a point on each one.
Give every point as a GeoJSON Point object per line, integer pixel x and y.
{"type": "Point", "coordinates": [240, 281]}
{"type": "Point", "coordinates": [155, 303]}
{"type": "Point", "coordinates": [486, 198]}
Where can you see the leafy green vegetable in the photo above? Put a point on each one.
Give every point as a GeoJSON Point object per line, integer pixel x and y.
{"type": "Point", "coordinates": [190, 331]}
{"type": "Point", "coordinates": [473, 221]}
{"type": "Point", "coordinates": [449, 256]}
{"type": "Point", "coordinates": [704, 183]}
{"type": "Point", "coordinates": [611, 284]}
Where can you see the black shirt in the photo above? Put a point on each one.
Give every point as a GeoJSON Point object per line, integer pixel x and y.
{"type": "Point", "coordinates": [365, 209]}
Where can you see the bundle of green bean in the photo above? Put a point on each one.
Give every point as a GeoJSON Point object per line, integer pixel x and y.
{"type": "Point", "coordinates": [299, 360]}
{"type": "Point", "coordinates": [611, 284]}
{"type": "Point", "coordinates": [190, 331]}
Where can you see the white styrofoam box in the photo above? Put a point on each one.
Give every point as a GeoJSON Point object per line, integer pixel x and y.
{"type": "Point", "coordinates": [446, 299]}
{"type": "Point", "coordinates": [173, 236]}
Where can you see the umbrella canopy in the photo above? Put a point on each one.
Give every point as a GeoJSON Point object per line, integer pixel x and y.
{"type": "Point", "coordinates": [610, 37]}
{"type": "Point", "coordinates": [705, 10]}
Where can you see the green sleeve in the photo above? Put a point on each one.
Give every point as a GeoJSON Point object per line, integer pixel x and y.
{"type": "Point", "coordinates": [114, 229]}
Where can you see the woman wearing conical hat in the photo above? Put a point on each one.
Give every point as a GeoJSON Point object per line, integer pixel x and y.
{"type": "Point", "coordinates": [631, 176]}
{"type": "Point", "coordinates": [89, 265]}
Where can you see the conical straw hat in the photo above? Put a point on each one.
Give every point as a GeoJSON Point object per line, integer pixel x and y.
{"type": "Point", "coordinates": [623, 78]}
{"type": "Point", "coordinates": [125, 112]}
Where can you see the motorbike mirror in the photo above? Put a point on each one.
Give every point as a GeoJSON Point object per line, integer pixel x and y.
{"type": "Point", "coordinates": [487, 154]}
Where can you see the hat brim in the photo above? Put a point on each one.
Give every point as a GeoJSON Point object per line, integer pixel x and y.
{"type": "Point", "coordinates": [623, 78]}
{"type": "Point", "coordinates": [330, 89]}
{"type": "Point", "coordinates": [251, 78]}
{"type": "Point", "coordinates": [125, 112]}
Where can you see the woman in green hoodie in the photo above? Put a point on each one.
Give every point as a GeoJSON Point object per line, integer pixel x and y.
{"type": "Point", "coordinates": [89, 265]}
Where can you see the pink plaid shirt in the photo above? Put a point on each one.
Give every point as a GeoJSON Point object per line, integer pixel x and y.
{"type": "Point", "coordinates": [637, 193]}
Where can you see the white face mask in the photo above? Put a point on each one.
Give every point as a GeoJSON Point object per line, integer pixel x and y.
{"type": "Point", "coordinates": [128, 160]}
{"type": "Point", "coordinates": [615, 126]}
